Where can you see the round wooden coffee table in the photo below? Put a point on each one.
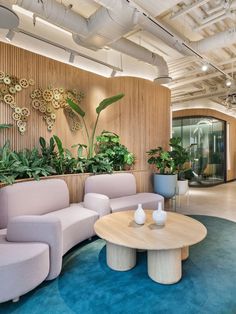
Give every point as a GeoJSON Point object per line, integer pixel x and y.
{"type": "Point", "coordinates": [166, 246]}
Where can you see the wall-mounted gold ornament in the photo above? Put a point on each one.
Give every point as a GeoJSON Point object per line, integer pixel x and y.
{"type": "Point", "coordinates": [10, 85]}
{"type": "Point", "coordinates": [73, 119]}
{"type": "Point", "coordinates": [49, 100]}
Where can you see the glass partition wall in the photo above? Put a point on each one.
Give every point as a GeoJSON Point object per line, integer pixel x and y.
{"type": "Point", "coordinates": [205, 137]}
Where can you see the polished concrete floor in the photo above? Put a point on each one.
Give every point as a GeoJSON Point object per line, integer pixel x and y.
{"type": "Point", "coordinates": [219, 201]}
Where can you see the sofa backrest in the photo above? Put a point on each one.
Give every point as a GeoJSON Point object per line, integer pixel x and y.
{"type": "Point", "coordinates": [113, 185]}
{"type": "Point", "coordinates": [32, 198]}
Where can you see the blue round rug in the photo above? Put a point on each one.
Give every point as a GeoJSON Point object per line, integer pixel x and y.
{"type": "Point", "coordinates": [86, 285]}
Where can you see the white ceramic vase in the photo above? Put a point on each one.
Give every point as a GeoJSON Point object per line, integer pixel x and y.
{"type": "Point", "coordinates": [140, 215]}
{"type": "Point", "coordinates": [159, 215]}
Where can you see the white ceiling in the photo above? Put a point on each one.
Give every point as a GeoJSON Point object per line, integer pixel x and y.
{"type": "Point", "coordinates": [189, 20]}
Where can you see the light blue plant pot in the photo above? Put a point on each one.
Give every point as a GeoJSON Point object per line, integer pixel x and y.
{"type": "Point", "coordinates": [165, 184]}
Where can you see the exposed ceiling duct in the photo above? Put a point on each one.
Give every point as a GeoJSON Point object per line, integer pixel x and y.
{"type": "Point", "coordinates": [218, 40]}
{"type": "Point", "coordinates": [160, 32]}
{"type": "Point", "coordinates": [130, 48]}
{"type": "Point", "coordinates": [104, 28]}
{"type": "Point", "coordinates": [8, 18]}
{"type": "Point", "coordinates": [56, 13]}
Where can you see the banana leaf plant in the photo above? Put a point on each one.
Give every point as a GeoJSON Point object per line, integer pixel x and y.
{"type": "Point", "coordinates": [103, 105]}
{"type": "Point", "coordinates": [5, 126]}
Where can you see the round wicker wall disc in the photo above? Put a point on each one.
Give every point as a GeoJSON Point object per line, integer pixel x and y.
{"type": "Point", "coordinates": [9, 99]}
{"type": "Point", "coordinates": [47, 95]}
{"type": "Point", "coordinates": [24, 83]}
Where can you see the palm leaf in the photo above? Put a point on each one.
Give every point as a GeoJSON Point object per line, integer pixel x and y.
{"type": "Point", "coordinates": [5, 126]}
{"type": "Point", "coordinates": [75, 107]}
{"type": "Point", "coordinates": [59, 144]}
{"type": "Point", "coordinates": [107, 102]}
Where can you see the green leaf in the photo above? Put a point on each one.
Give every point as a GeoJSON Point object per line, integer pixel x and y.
{"type": "Point", "coordinates": [42, 142]}
{"type": "Point", "coordinates": [59, 144]}
{"type": "Point", "coordinates": [51, 144]}
{"type": "Point", "coordinates": [5, 126]}
{"type": "Point", "coordinates": [107, 102]}
{"type": "Point", "coordinates": [80, 149]}
{"type": "Point", "coordinates": [75, 107]}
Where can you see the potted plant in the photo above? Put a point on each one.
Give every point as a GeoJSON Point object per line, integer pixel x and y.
{"type": "Point", "coordinates": [181, 159]}
{"type": "Point", "coordinates": [108, 143]}
{"type": "Point", "coordinates": [102, 105]}
{"type": "Point", "coordinates": [165, 179]}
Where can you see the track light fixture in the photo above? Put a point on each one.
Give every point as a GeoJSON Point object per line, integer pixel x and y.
{"type": "Point", "coordinates": [228, 82]}
{"type": "Point", "coordinates": [10, 34]}
{"type": "Point", "coordinates": [113, 73]}
{"type": "Point", "coordinates": [205, 66]}
{"type": "Point", "coordinates": [72, 58]}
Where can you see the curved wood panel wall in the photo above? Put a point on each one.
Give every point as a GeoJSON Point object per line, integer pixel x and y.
{"type": "Point", "coordinates": [231, 173]}
{"type": "Point", "coordinates": [141, 118]}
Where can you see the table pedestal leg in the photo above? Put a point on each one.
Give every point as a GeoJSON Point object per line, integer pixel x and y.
{"type": "Point", "coordinates": [184, 253]}
{"type": "Point", "coordinates": [119, 257]}
{"type": "Point", "coordinates": [164, 266]}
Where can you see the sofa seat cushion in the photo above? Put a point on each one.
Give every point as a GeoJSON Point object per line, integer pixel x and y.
{"type": "Point", "coordinates": [148, 201]}
{"type": "Point", "coordinates": [23, 266]}
{"type": "Point", "coordinates": [77, 224]}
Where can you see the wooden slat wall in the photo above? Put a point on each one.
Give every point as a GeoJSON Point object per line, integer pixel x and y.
{"type": "Point", "coordinates": [231, 174]}
{"type": "Point", "coordinates": [141, 118]}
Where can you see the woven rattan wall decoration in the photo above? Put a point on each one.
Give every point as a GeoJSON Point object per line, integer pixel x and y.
{"type": "Point", "coordinates": [10, 86]}
{"type": "Point", "coordinates": [72, 119]}
{"type": "Point", "coordinates": [48, 101]}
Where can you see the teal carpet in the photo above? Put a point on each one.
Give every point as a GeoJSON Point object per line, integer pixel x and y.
{"type": "Point", "coordinates": [87, 285]}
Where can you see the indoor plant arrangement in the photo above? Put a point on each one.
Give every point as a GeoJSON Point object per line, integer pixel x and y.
{"type": "Point", "coordinates": [108, 143]}
{"type": "Point", "coordinates": [165, 179]}
{"type": "Point", "coordinates": [174, 162]}
{"type": "Point", "coordinates": [53, 159]}
{"type": "Point", "coordinates": [102, 105]}
{"type": "Point", "coordinates": [181, 157]}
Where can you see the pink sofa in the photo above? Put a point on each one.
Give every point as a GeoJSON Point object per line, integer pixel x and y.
{"type": "Point", "coordinates": [117, 192]}
{"type": "Point", "coordinates": [37, 216]}
{"type": "Point", "coordinates": [38, 225]}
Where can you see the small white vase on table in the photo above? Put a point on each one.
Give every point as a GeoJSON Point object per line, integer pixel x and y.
{"type": "Point", "coordinates": [159, 215]}
{"type": "Point", "coordinates": [140, 215]}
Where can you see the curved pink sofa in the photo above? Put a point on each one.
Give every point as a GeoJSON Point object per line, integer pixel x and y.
{"type": "Point", "coordinates": [38, 225]}
{"type": "Point", "coordinates": [120, 193]}
{"type": "Point", "coordinates": [37, 216]}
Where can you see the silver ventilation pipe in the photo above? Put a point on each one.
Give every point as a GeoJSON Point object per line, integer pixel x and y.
{"type": "Point", "coordinates": [215, 41]}
{"type": "Point", "coordinates": [8, 18]}
{"type": "Point", "coordinates": [104, 28]}
{"type": "Point", "coordinates": [130, 48]}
